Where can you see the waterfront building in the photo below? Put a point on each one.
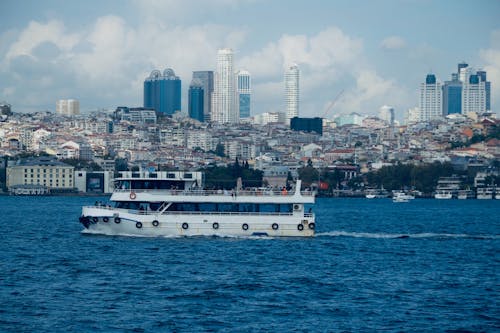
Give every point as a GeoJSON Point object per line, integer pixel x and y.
{"type": "Point", "coordinates": [244, 92]}
{"type": "Point", "coordinates": [67, 107]}
{"type": "Point", "coordinates": [224, 108]}
{"type": "Point", "coordinates": [195, 100]}
{"type": "Point", "coordinates": [162, 92]}
{"type": "Point", "coordinates": [452, 95]}
{"type": "Point", "coordinates": [292, 76]}
{"type": "Point", "coordinates": [41, 171]}
{"type": "Point", "coordinates": [207, 80]}
{"type": "Point", "coordinates": [430, 105]}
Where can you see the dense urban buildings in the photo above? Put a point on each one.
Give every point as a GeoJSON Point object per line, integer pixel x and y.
{"type": "Point", "coordinates": [162, 92]}
{"type": "Point", "coordinates": [224, 109]}
{"type": "Point", "coordinates": [244, 92]}
{"type": "Point", "coordinates": [292, 92]}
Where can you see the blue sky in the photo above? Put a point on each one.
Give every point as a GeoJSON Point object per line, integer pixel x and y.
{"type": "Point", "coordinates": [376, 52]}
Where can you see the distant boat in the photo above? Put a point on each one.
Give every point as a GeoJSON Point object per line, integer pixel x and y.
{"type": "Point", "coordinates": [484, 193]}
{"type": "Point", "coordinates": [400, 196]}
{"type": "Point", "coordinates": [375, 194]}
{"type": "Point", "coordinates": [443, 195]}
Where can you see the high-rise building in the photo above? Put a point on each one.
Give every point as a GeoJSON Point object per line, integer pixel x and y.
{"type": "Point", "coordinates": [244, 92]}
{"type": "Point", "coordinates": [207, 80]}
{"type": "Point", "coordinates": [68, 107]}
{"type": "Point", "coordinates": [476, 91]}
{"type": "Point", "coordinates": [224, 108]}
{"type": "Point", "coordinates": [196, 100]}
{"type": "Point", "coordinates": [452, 95]}
{"type": "Point", "coordinates": [430, 105]}
{"type": "Point", "coordinates": [292, 92]}
{"type": "Point", "coordinates": [162, 92]}
{"type": "Point", "coordinates": [386, 113]}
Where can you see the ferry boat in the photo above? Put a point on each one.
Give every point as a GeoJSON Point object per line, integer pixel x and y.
{"type": "Point", "coordinates": [484, 193]}
{"type": "Point", "coordinates": [400, 196]}
{"type": "Point", "coordinates": [443, 195]}
{"type": "Point", "coordinates": [174, 204]}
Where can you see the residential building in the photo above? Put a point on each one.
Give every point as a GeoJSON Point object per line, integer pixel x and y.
{"type": "Point", "coordinates": [67, 107]}
{"type": "Point", "coordinates": [195, 100]}
{"type": "Point", "coordinates": [292, 75]}
{"type": "Point", "coordinates": [207, 80]}
{"type": "Point", "coordinates": [224, 109]}
{"type": "Point", "coordinates": [430, 105]}
{"type": "Point", "coordinates": [386, 113]}
{"type": "Point", "coordinates": [162, 92]}
{"type": "Point", "coordinates": [244, 92]}
{"type": "Point", "coordinates": [134, 115]}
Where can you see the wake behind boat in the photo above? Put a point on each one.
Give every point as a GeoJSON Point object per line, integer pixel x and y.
{"type": "Point", "coordinates": [173, 204]}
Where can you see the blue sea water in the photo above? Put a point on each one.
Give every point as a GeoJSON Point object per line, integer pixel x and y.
{"type": "Point", "coordinates": [423, 266]}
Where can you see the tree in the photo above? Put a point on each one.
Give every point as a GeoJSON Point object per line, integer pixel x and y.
{"type": "Point", "coordinates": [219, 150]}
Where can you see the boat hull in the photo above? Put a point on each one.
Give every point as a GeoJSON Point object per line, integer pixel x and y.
{"type": "Point", "coordinates": [102, 220]}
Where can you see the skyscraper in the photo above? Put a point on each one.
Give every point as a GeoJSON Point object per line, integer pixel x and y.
{"type": "Point", "coordinates": [207, 80]}
{"type": "Point", "coordinates": [452, 95]}
{"type": "Point", "coordinates": [292, 92]}
{"type": "Point", "coordinates": [196, 100]}
{"type": "Point", "coordinates": [224, 108]}
{"type": "Point", "coordinates": [244, 91]}
{"type": "Point", "coordinates": [163, 92]}
{"type": "Point", "coordinates": [430, 99]}
{"type": "Point", "coordinates": [476, 91]}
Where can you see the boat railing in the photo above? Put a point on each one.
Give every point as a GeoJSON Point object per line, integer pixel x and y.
{"type": "Point", "coordinates": [153, 212]}
{"type": "Point", "coordinates": [192, 192]}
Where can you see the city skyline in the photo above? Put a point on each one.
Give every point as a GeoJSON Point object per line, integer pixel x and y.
{"type": "Point", "coordinates": [377, 53]}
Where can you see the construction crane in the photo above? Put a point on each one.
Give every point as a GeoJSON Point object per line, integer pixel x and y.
{"type": "Point", "coordinates": [332, 103]}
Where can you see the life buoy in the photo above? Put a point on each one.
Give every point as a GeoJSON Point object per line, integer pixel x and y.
{"type": "Point", "coordinates": [275, 226]}
{"type": "Point", "coordinates": [300, 227]}
{"type": "Point", "coordinates": [244, 226]}
{"type": "Point", "coordinates": [185, 226]}
{"type": "Point", "coordinates": [138, 225]}
{"type": "Point", "coordinates": [105, 219]}
{"type": "Point", "coordinates": [95, 219]}
{"type": "Point", "coordinates": [117, 220]}
{"type": "Point", "coordinates": [156, 223]}
{"type": "Point", "coordinates": [133, 195]}
{"type": "Point", "coordinates": [312, 226]}
{"type": "Point", "coordinates": [215, 225]}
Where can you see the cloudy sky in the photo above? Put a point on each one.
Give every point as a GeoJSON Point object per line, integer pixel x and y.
{"type": "Point", "coordinates": [374, 52]}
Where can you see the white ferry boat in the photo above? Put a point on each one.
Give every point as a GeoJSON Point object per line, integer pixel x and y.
{"type": "Point", "coordinates": [173, 204]}
{"type": "Point", "coordinates": [443, 195]}
{"type": "Point", "coordinates": [400, 196]}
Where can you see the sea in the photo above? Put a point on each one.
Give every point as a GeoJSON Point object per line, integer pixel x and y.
{"type": "Point", "coordinates": [374, 265]}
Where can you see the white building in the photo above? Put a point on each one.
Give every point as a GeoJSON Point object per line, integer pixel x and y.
{"type": "Point", "coordinates": [269, 118]}
{"type": "Point", "coordinates": [386, 113]}
{"type": "Point", "coordinates": [292, 92]}
{"type": "Point", "coordinates": [224, 108]}
{"type": "Point", "coordinates": [67, 107]}
{"type": "Point", "coordinates": [474, 91]}
{"type": "Point", "coordinates": [430, 106]}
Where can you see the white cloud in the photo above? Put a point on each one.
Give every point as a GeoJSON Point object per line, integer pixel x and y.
{"type": "Point", "coordinates": [491, 59]}
{"type": "Point", "coordinates": [393, 43]}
